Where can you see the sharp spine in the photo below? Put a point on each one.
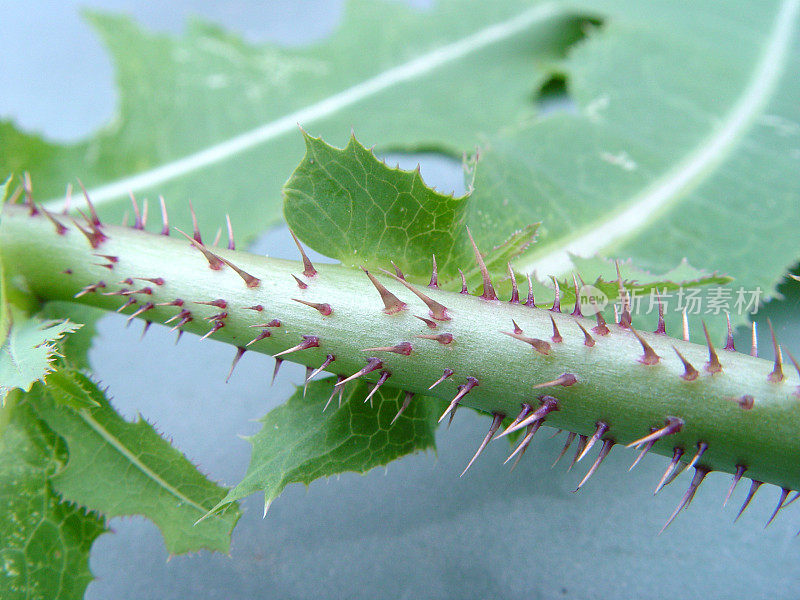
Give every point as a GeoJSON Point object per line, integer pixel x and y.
{"type": "Point", "coordinates": [570, 437]}
{"type": "Point", "coordinates": [557, 339]}
{"type": "Point", "coordinates": [406, 402]}
{"type": "Point", "coordinates": [438, 311]}
{"type": "Point", "coordinates": [308, 268]}
{"type": "Point", "coordinates": [514, 289]}
{"type": "Point", "coordinates": [463, 390]}
{"type": "Point", "coordinates": [309, 341]}
{"type": "Point", "coordinates": [403, 348]}
{"type": "Point", "coordinates": [443, 338]}
{"type": "Point", "coordinates": [754, 485]}
{"type": "Point", "coordinates": [214, 262]}
{"type": "Point", "coordinates": [777, 372]}
{"type": "Point", "coordinates": [781, 500]}
{"type": "Point", "coordinates": [323, 307]}
{"type": "Point", "coordinates": [488, 288]}
{"type": "Point", "coordinates": [497, 420]}
{"type": "Point", "coordinates": [729, 345]}
{"type": "Point", "coordinates": [699, 474]}
{"type": "Point", "coordinates": [565, 380]}
{"type": "Point", "coordinates": [557, 298]}
{"type": "Point", "coordinates": [576, 312]}
{"type": "Point", "coordinates": [381, 380]}
{"type": "Point", "coordinates": [602, 428]}
{"type": "Point", "coordinates": [740, 469]}
{"type": "Point", "coordinates": [239, 353]}
{"type": "Point", "coordinates": [446, 375]}
{"type": "Point", "coordinates": [713, 365]}
{"type": "Point", "coordinates": [434, 283]}
{"type": "Point", "coordinates": [538, 345]}
{"type": "Point", "coordinates": [530, 302]}
{"type": "Point", "coordinates": [588, 340]}
{"type": "Point", "coordinates": [392, 303]}
{"type": "Point", "coordinates": [689, 373]}
{"type": "Point", "coordinates": [373, 364]}
{"type": "Point", "coordinates": [676, 457]}
{"type": "Point", "coordinates": [607, 445]}
{"type": "Point", "coordinates": [673, 425]}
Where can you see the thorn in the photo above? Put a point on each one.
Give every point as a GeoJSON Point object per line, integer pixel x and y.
{"type": "Point", "coordinates": [588, 340]}
{"type": "Point", "coordinates": [602, 428]}
{"type": "Point", "coordinates": [406, 402]}
{"type": "Point", "coordinates": [90, 289]}
{"type": "Point", "coordinates": [685, 321]}
{"type": "Point", "coordinates": [28, 189]}
{"type": "Point", "coordinates": [488, 289]}
{"type": "Point", "coordinates": [250, 280]}
{"type": "Point", "coordinates": [645, 450]}
{"type": "Point", "coordinates": [434, 283]}
{"type": "Point", "coordinates": [540, 346]}
{"type": "Point", "coordinates": [729, 341]}
{"type": "Point", "coordinates": [403, 348]}
{"type": "Point", "coordinates": [301, 284]}
{"type": "Point", "coordinates": [625, 319]}
{"type": "Point", "coordinates": [215, 243]}
{"type": "Point", "coordinates": [548, 405]}
{"type": "Point", "coordinates": [219, 303]}
{"type": "Point", "coordinates": [129, 302]}
{"type": "Point", "coordinates": [398, 271]}
{"type": "Point", "coordinates": [576, 312]}
{"type": "Point", "coordinates": [777, 372]}
{"type": "Point", "coordinates": [309, 341]}
{"type": "Point", "coordinates": [463, 390]}
{"type": "Point", "coordinates": [154, 280]}
{"type": "Point", "coordinates": [713, 365]}
{"type": "Point", "coordinates": [514, 289]}
{"type": "Point", "coordinates": [649, 357]}
{"type": "Point", "coordinates": [570, 436]}
{"type": "Point", "coordinates": [231, 242]}
{"type": "Point", "coordinates": [464, 289]}
{"type": "Point", "coordinates": [607, 445]}
{"type": "Point", "coordinates": [797, 368]}
{"type": "Point", "coordinates": [137, 220]}
{"type": "Point", "coordinates": [278, 363]}
{"type": "Point", "coordinates": [142, 309]}
{"type": "Point", "coordinates": [214, 262]}
{"type": "Point", "coordinates": [556, 334]}
{"type": "Point", "coordinates": [381, 380]}
{"type": "Point", "coordinates": [781, 500]}
{"type": "Point", "coordinates": [178, 337]}
{"type": "Point", "coordinates": [144, 329]}
{"type": "Point", "coordinates": [530, 301]}
{"type": "Point", "coordinates": [373, 364]}
{"type": "Point", "coordinates": [689, 373]}
{"type": "Point", "coordinates": [164, 217]}
{"type": "Point", "coordinates": [754, 343]}
{"type": "Point", "coordinates": [339, 378]}
{"type": "Point", "coordinates": [257, 307]}
{"type": "Point", "coordinates": [323, 307]}
{"type": "Point", "coordinates": [95, 236]}
{"type": "Point", "coordinates": [185, 316]}
{"type": "Point", "coordinates": [438, 311]}
{"type": "Point", "coordinates": [517, 328]}
{"type": "Point", "coordinates": [446, 375]}
{"type": "Point", "coordinates": [239, 352]}
{"type": "Point", "coordinates": [526, 410]}
{"type": "Point", "coordinates": [601, 328]}
{"type": "Point", "coordinates": [328, 360]}
{"type": "Point", "coordinates": [565, 379]}
{"type": "Point", "coordinates": [661, 328]}
{"type": "Point", "coordinates": [740, 469]}
{"type": "Point", "coordinates": [181, 315]}
{"type": "Point", "coordinates": [522, 447]}
{"type": "Point", "coordinates": [676, 456]}
{"type": "Point", "coordinates": [60, 228]}
{"type": "Point", "coordinates": [754, 485]}
{"type": "Point", "coordinates": [391, 302]}
{"type": "Point", "coordinates": [673, 425]}
{"type": "Point", "coordinates": [557, 298]}
{"type": "Point", "coordinates": [67, 199]}
{"type": "Point", "coordinates": [176, 302]}
{"type": "Point", "coordinates": [582, 439]}
{"type": "Point", "coordinates": [443, 338]}
{"type": "Point", "coordinates": [95, 221]}
{"type": "Point", "coordinates": [217, 326]}
{"type": "Point", "coordinates": [701, 448]}
{"type": "Point", "coordinates": [428, 322]}
{"type": "Point", "coordinates": [308, 267]}
{"type": "Point", "coordinates": [699, 475]}
{"type": "Point", "coordinates": [196, 229]}
{"type": "Point", "coordinates": [265, 333]}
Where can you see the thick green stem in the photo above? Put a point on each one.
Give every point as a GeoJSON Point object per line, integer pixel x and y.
{"type": "Point", "coordinates": [745, 417]}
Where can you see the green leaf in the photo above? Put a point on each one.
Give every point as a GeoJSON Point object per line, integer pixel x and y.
{"type": "Point", "coordinates": [207, 116]}
{"type": "Point", "coordinates": [351, 206]}
{"type": "Point", "coordinates": [45, 549]}
{"type": "Point", "coordinates": [69, 388]}
{"type": "Point", "coordinates": [683, 143]}
{"type": "Point", "coordinates": [120, 468]}
{"type": "Point", "coordinates": [299, 443]}
{"type": "Point", "coordinates": [29, 350]}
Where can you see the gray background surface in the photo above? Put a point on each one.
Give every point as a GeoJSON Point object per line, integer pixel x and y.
{"type": "Point", "coordinates": [414, 530]}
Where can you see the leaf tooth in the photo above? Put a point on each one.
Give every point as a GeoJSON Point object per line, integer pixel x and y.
{"type": "Point", "coordinates": [278, 363]}
{"type": "Point", "coordinates": [488, 288]}
{"type": "Point", "coordinates": [300, 283]}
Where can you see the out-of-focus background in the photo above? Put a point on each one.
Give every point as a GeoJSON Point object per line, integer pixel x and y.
{"type": "Point", "coordinates": [415, 529]}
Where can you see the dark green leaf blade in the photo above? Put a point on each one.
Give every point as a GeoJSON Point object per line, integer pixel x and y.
{"type": "Point", "coordinates": [299, 443]}
{"type": "Point", "coordinates": [44, 552]}
{"type": "Point", "coordinates": [120, 468]}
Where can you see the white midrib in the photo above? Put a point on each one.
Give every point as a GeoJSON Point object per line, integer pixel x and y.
{"type": "Point", "coordinates": [134, 460]}
{"type": "Point", "coordinates": [643, 208]}
{"type": "Point", "coordinates": [405, 72]}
